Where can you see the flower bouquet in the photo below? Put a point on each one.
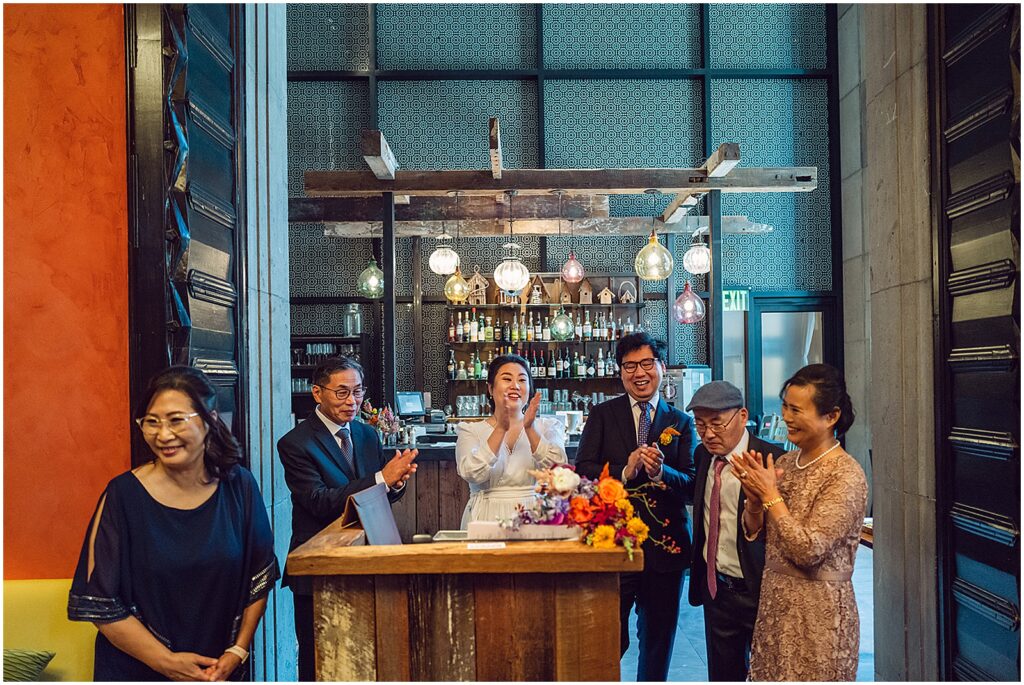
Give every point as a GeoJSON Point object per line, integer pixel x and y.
{"type": "Point", "coordinates": [600, 510]}
{"type": "Point", "coordinates": [383, 420]}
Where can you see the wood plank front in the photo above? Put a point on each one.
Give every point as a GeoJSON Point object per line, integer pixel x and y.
{"type": "Point", "coordinates": [394, 638]}
{"type": "Point", "coordinates": [344, 623]}
{"type": "Point", "coordinates": [586, 638]}
{"type": "Point", "coordinates": [441, 622]}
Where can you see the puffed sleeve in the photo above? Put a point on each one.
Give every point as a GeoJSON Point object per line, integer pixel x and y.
{"type": "Point", "coordinates": [473, 456]}
{"type": "Point", "coordinates": [100, 591]}
{"type": "Point", "coordinates": [263, 569]}
{"type": "Point", "coordinates": [837, 514]}
{"type": "Point", "coordinates": [551, 448]}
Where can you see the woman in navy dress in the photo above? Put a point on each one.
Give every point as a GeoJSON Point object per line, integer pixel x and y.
{"type": "Point", "coordinates": [178, 559]}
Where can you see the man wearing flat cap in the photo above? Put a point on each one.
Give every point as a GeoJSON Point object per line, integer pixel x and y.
{"type": "Point", "coordinates": [725, 569]}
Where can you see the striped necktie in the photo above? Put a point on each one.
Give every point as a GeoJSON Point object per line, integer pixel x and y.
{"type": "Point", "coordinates": [346, 447]}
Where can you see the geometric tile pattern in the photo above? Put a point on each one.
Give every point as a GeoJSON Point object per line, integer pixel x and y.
{"type": "Point", "coordinates": [690, 343]}
{"type": "Point", "coordinates": [456, 36]}
{"type": "Point", "coordinates": [318, 319]}
{"type": "Point", "coordinates": [324, 124]}
{"type": "Point", "coordinates": [654, 317]}
{"type": "Point", "coordinates": [323, 37]}
{"type": "Point", "coordinates": [767, 36]}
{"type": "Point", "coordinates": [777, 122]}
{"type": "Point", "coordinates": [443, 124]}
{"type": "Point", "coordinates": [435, 353]}
{"type": "Point", "coordinates": [622, 36]}
{"type": "Point", "coordinates": [319, 266]}
{"type": "Point", "coordinates": [404, 362]}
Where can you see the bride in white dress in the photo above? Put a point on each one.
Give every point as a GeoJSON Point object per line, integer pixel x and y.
{"type": "Point", "coordinates": [495, 455]}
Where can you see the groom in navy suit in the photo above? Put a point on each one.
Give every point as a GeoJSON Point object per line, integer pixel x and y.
{"type": "Point", "coordinates": [624, 433]}
{"type": "Point", "coordinates": [326, 458]}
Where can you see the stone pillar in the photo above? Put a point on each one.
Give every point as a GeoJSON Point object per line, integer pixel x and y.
{"type": "Point", "coordinates": [267, 308]}
{"type": "Point", "coordinates": [897, 243]}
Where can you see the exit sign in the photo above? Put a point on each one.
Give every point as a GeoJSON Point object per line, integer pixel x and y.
{"type": "Point", "coordinates": [735, 300]}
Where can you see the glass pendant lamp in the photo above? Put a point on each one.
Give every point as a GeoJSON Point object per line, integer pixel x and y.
{"type": "Point", "coordinates": [653, 262]}
{"type": "Point", "coordinates": [371, 281]}
{"type": "Point", "coordinates": [688, 307]}
{"type": "Point", "coordinates": [511, 275]}
{"type": "Point", "coordinates": [456, 289]}
{"type": "Point", "coordinates": [697, 259]}
{"type": "Point", "coordinates": [561, 326]}
{"type": "Point", "coordinates": [572, 270]}
{"type": "Point", "coordinates": [443, 260]}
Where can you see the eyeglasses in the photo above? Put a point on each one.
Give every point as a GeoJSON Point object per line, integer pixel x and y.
{"type": "Point", "coordinates": [715, 428]}
{"type": "Point", "coordinates": [344, 393]}
{"type": "Point", "coordinates": [151, 425]}
{"type": "Point", "coordinates": [645, 364]}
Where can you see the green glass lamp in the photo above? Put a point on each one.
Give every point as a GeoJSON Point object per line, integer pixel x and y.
{"type": "Point", "coordinates": [561, 326]}
{"type": "Point", "coordinates": [371, 281]}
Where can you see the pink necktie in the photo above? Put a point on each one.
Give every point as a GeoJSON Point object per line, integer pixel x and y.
{"type": "Point", "coordinates": [716, 496]}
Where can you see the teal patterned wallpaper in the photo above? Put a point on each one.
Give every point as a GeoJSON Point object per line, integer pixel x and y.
{"type": "Point", "coordinates": [442, 124]}
{"type": "Point", "coordinates": [456, 36]}
{"type": "Point", "coordinates": [767, 36]}
{"type": "Point", "coordinates": [622, 36]}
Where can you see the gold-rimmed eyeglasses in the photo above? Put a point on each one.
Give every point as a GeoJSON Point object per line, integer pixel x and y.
{"type": "Point", "coordinates": [151, 425]}
{"type": "Point", "coordinates": [715, 428]}
{"type": "Point", "coordinates": [344, 393]}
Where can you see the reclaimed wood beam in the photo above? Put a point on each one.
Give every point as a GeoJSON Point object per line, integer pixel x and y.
{"type": "Point", "coordinates": [680, 205]}
{"type": "Point", "coordinates": [436, 208]}
{"type": "Point", "coordinates": [495, 147]}
{"type": "Point", "coordinates": [575, 181]}
{"type": "Point", "coordinates": [378, 154]}
{"type": "Point", "coordinates": [723, 160]}
{"type": "Point", "coordinates": [482, 228]}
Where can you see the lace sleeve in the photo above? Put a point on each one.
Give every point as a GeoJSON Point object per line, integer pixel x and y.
{"type": "Point", "coordinates": [838, 512]}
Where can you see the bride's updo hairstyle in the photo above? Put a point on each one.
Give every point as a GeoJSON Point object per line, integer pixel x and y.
{"type": "Point", "coordinates": [829, 393]}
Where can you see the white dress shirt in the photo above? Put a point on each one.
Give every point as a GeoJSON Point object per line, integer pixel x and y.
{"type": "Point", "coordinates": [334, 428]}
{"type": "Point", "coordinates": [634, 404]}
{"type": "Point", "coordinates": [727, 561]}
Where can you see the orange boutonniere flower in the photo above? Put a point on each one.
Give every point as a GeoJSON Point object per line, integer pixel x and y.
{"type": "Point", "coordinates": [668, 435]}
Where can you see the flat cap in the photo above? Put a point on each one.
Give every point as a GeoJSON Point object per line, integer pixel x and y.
{"type": "Point", "coordinates": [716, 395]}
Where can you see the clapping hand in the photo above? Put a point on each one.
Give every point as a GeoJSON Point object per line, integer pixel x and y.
{"type": "Point", "coordinates": [759, 480]}
{"type": "Point", "coordinates": [531, 411]}
{"type": "Point", "coordinates": [400, 468]}
{"type": "Point", "coordinates": [652, 459]}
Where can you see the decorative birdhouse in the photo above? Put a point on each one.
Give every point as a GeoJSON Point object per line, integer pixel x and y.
{"type": "Point", "coordinates": [627, 292]}
{"type": "Point", "coordinates": [586, 292]}
{"type": "Point", "coordinates": [477, 287]}
{"type": "Point", "coordinates": [536, 291]}
{"type": "Point", "coordinates": [606, 296]}
{"type": "Point", "coordinates": [565, 297]}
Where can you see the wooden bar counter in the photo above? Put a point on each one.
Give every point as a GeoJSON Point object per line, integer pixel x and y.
{"type": "Point", "coordinates": [544, 610]}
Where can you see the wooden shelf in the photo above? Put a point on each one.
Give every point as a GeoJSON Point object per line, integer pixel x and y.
{"type": "Point", "coordinates": [515, 343]}
{"type": "Point", "coordinates": [352, 340]}
{"type": "Point", "coordinates": [510, 307]}
{"type": "Point", "coordinates": [543, 379]}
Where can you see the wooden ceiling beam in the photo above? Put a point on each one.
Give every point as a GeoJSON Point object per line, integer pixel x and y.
{"type": "Point", "coordinates": [378, 154]}
{"type": "Point", "coordinates": [438, 208]}
{"type": "Point", "coordinates": [495, 147]}
{"type": "Point", "coordinates": [575, 181]}
{"type": "Point", "coordinates": [721, 162]}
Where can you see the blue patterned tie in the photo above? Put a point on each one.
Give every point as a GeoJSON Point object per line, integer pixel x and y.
{"type": "Point", "coordinates": [346, 447]}
{"type": "Point", "coordinates": [645, 423]}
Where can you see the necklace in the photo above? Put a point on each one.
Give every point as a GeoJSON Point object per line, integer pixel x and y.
{"type": "Point", "coordinates": [800, 452]}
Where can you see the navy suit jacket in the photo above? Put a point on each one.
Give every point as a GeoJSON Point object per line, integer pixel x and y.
{"type": "Point", "coordinates": [609, 436]}
{"type": "Point", "coordinates": [751, 554]}
{"type": "Point", "coordinates": [321, 481]}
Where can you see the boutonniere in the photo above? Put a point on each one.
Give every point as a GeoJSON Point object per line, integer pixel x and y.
{"type": "Point", "coordinates": [668, 435]}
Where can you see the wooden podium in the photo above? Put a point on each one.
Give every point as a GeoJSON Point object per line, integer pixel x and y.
{"type": "Point", "coordinates": [442, 612]}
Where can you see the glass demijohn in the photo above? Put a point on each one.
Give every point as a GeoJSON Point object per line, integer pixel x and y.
{"type": "Point", "coordinates": [572, 270]}
{"type": "Point", "coordinates": [653, 262]}
{"type": "Point", "coordinates": [456, 289]}
{"type": "Point", "coordinates": [697, 259]}
{"type": "Point", "coordinates": [371, 281]}
{"type": "Point", "coordinates": [561, 326]}
{"type": "Point", "coordinates": [688, 307]}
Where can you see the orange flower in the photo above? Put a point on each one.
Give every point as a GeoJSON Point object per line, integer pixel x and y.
{"type": "Point", "coordinates": [603, 537]}
{"type": "Point", "coordinates": [610, 490]}
{"type": "Point", "coordinates": [638, 528]}
{"type": "Point", "coordinates": [579, 510]}
{"type": "Point", "coordinates": [625, 506]}
{"type": "Point", "coordinates": [668, 435]}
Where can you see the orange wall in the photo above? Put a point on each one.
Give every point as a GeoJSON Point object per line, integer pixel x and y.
{"type": "Point", "coordinates": [65, 278]}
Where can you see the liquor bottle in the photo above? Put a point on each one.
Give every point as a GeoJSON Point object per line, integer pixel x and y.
{"type": "Point", "coordinates": [580, 371]}
{"type": "Point", "coordinates": [477, 367]}
{"type": "Point", "coordinates": [480, 328]}
{"type": "Point", "coordinates": [588, 328]}
{"type": "Point", "coordinates": [578, 328]}
{"type": "Point", "coordinates": [483, 369]}
{"type": "Point", "coordinates": [629, 326]}
{"type": "Point", "coordinates": [461, 373]}
{"type": "Point", "coordinates": [506, 333]}
{"type": "Point", "coordinates": [600, 363]}
{"type": "Point", "coordinates": [451, 328]}
{"type": "Point", "coordinates": [488, 331]}
{"type": "Point", "coordinates": [451, 365]}
{"type": "Point", "coordinates": [529, 329]}
{"type": "Point", "coordinates": [545, 332]}
{"type": "Point", "coordinates": [466, 328]}
{"type": "Point", "coordinates": [515, 328]}
{"type": "Point", "coordinates": [613, 331]}
{"type": "Point", "coordinates": [591, 367]}
{"type": "Point", "coordinates": [458, 329]}
{"type": "Point", "coordinates": [522, 328]}
{"type": "Point", "coordinates": [559, 367]}
{"type": "Point", "coordinates": [538, 329]}
{"type": "Point", "coordinates": [474, 328]}
{"type": "Point", "coordinates": [552, 371]}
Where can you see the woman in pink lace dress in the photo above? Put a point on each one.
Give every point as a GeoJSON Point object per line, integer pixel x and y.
{"type": "Point", "coordinates": [811, 505]}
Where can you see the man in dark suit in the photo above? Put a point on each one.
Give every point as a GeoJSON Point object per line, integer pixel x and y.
{"type": "Point", "coordinates": [326, 458]}
{"type": "Point", "coordinates": [725, 568]}
{"type": "Point", "coordinates": [624, 433]}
